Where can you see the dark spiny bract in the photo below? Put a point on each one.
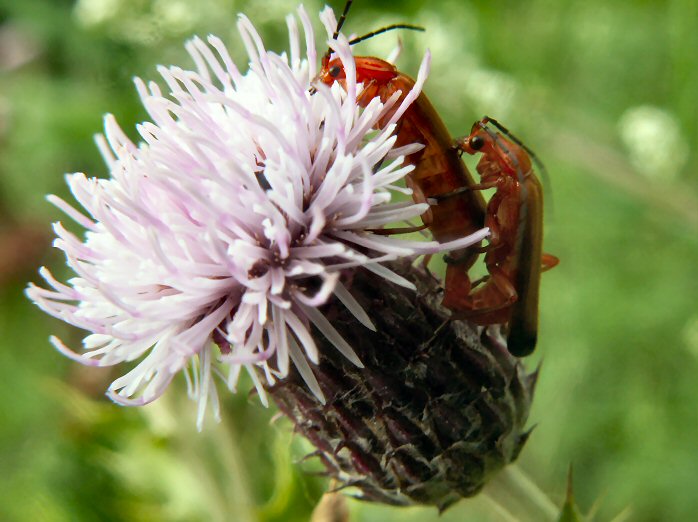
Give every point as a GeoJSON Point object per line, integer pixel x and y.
{"type": "Point", "coordinates": [430, 417]}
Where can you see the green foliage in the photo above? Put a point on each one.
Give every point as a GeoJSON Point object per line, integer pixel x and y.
{"type": "Point", "coordinates": [619, 334]}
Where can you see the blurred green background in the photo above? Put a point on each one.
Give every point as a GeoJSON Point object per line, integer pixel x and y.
{"type": "Point", "coordinates": [605, 92]}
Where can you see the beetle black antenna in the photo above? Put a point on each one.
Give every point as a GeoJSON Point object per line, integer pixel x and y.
{"type": "Point", "coordinates": [340, 23]}
{"type": "Point", "coordinates": [385, 30]}
{"type": "Point", "coordinates": [382, 30]}
{"type": "Point", "coordinates": [516, 140]}
{"type": "Point", "coordinates": [342, 19]}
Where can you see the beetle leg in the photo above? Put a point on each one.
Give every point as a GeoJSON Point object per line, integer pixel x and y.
{"type": "Point", "coordinates": [457, 287]}
{"type": "Point", "coordinates": [368, 93]}
{"type": "Point", "coordinates": [503, 283]}
{"type": "Point", "coordinates": [478, 282]}
{"type": "Point", "coordinates": [419, 197]}
{"type": "Point", "coordinates": [425, 266]}
{"type": "Point", "coordinates": [396, 230]}
{"type": "Point", "coordinates": [459, 191]}
{"type": "Point", "coordinates": [497, 294]}
{"type": "Point", "coordinates": [548, 261]}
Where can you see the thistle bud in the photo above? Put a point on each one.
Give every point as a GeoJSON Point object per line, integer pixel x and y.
{"type": "Point", "coordinates": [437, 409]}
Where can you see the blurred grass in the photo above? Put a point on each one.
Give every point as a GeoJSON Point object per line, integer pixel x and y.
{"type": "Point", "coordinates": [619, 322]}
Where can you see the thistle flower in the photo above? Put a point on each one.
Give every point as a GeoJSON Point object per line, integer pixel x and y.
{"type": "Point", "coordinates": [216, 238]}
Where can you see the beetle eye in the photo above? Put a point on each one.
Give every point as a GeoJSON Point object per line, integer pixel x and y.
{"type": "Point", "coordinates": [476, 142]}
{"type": "Point", "coordinates": [334, 71]}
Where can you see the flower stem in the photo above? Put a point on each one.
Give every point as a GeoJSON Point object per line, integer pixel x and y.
{"type": "Point", "coordinates": [517, 490]}
{"type": "Point", "coordinates": [499, 509]}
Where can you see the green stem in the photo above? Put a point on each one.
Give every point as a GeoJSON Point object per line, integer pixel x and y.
{"type": "Point", "coordinates": [499, 509]}
{"type": "Point", "coordinates": [513, 488]}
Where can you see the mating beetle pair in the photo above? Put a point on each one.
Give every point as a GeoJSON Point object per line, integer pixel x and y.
{"type": "Point", "coordinates": [513, 256]}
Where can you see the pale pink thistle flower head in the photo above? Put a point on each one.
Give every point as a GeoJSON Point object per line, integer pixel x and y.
{"type": "Point", "coordinates": [216, 238]}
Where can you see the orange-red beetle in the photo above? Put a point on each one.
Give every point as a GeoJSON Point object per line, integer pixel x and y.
{"type": "Point", "coordinates": [513, 258]}
{"type": "Point", "coordinates": [514, 213]}
{"type": "Point", "coordinates": [438, 166]}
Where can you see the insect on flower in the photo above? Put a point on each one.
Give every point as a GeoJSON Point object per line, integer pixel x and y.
{"type": "Point", "coordinates": [221, 231]}
{"type": "Point", "coordinates": [438, 169]}
{"type": "Point", "coordinates": [513, 257]}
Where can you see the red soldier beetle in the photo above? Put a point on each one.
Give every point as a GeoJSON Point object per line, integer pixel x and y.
{"type": "Point", "coordinates": [438, 168]}
{"type": "Point", "coordinates": [513, 257]}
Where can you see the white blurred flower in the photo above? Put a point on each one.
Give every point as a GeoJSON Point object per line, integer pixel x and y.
{"type": "Point", "coordinates": [654, 142]}
{"type": "Point", "coordinates": [216, 238]}
{"type": "Point", "coordinates": [94, 12]}
{"type": "Point", "coordinates": [491, 91]}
